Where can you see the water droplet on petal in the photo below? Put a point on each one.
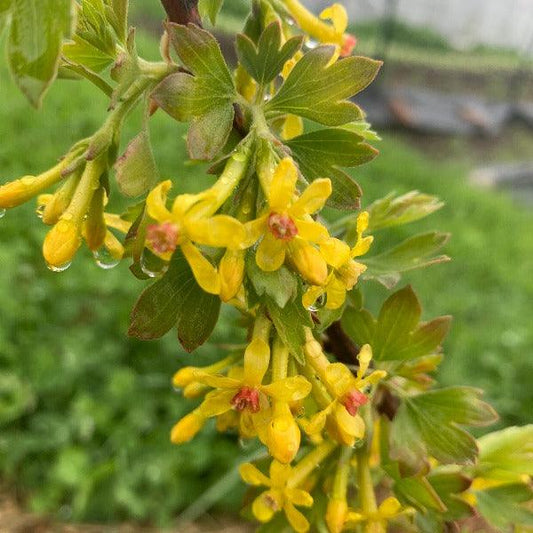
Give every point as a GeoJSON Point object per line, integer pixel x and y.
{"type": "Point", "coordinates": [246, 444]}
{"type": "Point", "coordinates": [40, 210]}
{"type": "Point", "coordinates": [310, 44]}
{"type": "Point", "coordinates": [320, 302]}
{"type": "Point", "coordinates": [152, 265]}
{"type": "Point", "coordinates": [104, 259]}
{"type": "Point", "coordinates": [59, 268]}
{"type": "Point", "coordinates": [2, 213]}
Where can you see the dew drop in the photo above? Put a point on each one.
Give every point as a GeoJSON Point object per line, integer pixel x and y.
{"type": "Point", "coordinates": [2, 213]}
{"type": "Point", "coordinates": [246, 444]}
{"type": "Point", "coordinates": [60, 268]}
{"type": "Point", "coordinates": [239, 156]}
{"type": "Point", "coordinates": [40, 210]}
{"type": "Point", "coordinates": [310, 44]}
{"type": "Point", "coordinates": [320, 302]}
{"type": "Point", "coordinates": [152, 265]}
{"type": "Point", "coordinates": [104, 259]}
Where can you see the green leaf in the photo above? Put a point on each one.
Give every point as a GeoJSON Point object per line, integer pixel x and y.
{"type": "Point", "coordinates": [136, 169]}
{"type": "Point", "coordinates": [16, 397]}
{"type": "Point", "coordinates": [204, 98]}
{"type": "Point", "coordinates": [412, 253]}
{"type": "Point", "coordinates": [210, 8]}
{"type": "Point", "coordinates": [289, 322]}
{"type": "Point", "coordinates": [82, 52]}
{"type": "Point", "coordinates": [198, 318]}
{"type": "Point", "coordinates": [175, 300]}
{"type": "Point", "coordinates": [281, 286]}
{"type": "Point", "coordinates": [5, 6]}
{"type": "Point", "coordinates": [320, 153]}
{"type": "Point", "coordinates": [34, 46]}
{"type": "Point", "coordinates": [118, 18]}
{"type": "Point", "coordinates": [397, 335]}
{"type": "Point", "coordinates": [266, 60]}
{"type": "Point", "coordinates": [318, 90]}
{"type": "Point", "coordinates": [449, 485]}
{"type": "Point", "coordinates": [506, 454]}
{"type": "Point", "coordinates": [502, 506]}
{"type": "Point", "coordinates": [428, 425]}
{"type": "Point", "coordinates": [398, 210]}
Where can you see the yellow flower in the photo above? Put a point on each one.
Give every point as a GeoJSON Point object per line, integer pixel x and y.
{"type": "Point", "coordinates": [283, 434]}
{"type": "Point", "coordinates": [186, 224]}
{"type": "Point", "coordinates": [281, 495]}
{"type": "Point", "coordinates": [333, 33]}
{"type": "Point", "coordinates": [244, 392]}
{"type": "Point", "coordinates": [345, 271]}
{"type": "Point", "coordinates": [287, 227]}
{"type": "Point", "coordinates": [389, 509]}
{"type": "Point", "coordinates": [341, 415]}
{"type": "Point", "coordinates": [336, 514]}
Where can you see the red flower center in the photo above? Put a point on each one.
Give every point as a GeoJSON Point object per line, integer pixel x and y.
{"type": "Point", "coordinates": [282, 226]}
{"type": "Point", "coordinates": [246, 398]}
{"type": "Point", "coordinates": [353, 400]}
{"type": "Point", "coordinates": [162, 238]}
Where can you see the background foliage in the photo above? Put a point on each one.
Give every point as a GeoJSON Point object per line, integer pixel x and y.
{"type": "Point", "coordinates": [85, 412]}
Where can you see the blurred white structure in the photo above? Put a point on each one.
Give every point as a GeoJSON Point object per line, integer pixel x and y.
{"type": "Point", "coordinates": [507, 23]}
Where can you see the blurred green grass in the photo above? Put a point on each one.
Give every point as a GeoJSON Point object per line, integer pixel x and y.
{"type": "Point", "coordinates": [85, 412]}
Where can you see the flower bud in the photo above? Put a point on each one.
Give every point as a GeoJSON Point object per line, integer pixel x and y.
{"type": "Point", "coordinates": [187, 428]}
{"type": "Point", "coordinates": [62, 242]}
{"type": "Point", "coordinates": [95, 227]}
{"type": "Point", "coordinates": [231, 270]}
{"type": "Point", "coordinates": [60, 201]}
{"type": "Point", "coordinates": [336, 514]}
{"type": "Point", "coordinates": [184, 376]}
{"type": "Point", "coordinates": [283, 438]}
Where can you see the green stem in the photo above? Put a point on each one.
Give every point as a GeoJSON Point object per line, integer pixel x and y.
{"type": "Point", "coordinates": [342, 474]}
{"type": "Point", "coordinates": [280, 360]}
{"type": "Point", "coordinates": [367, 496]}
{"type": "Point", "coordinates": [310, 462]}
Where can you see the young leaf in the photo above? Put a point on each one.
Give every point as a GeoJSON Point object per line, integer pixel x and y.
{"type": "Point", "coordinates": [136, 169]}
{"type": "Point", "coordinates": [503, 506]}
{"type": "Point", "coordinates": [319, 153]}
{"type": "Point", "coordinates": [449, 486]}
{"type": "Point", "coordinates": [280, 285]}
{"type": "Point", "coordinates": [410, 254]}
{"type": "Point", "coordinates": [210, 8]}
{"type": "Point", "coordinates": [398, 210]}
{"type": "Point", "coordinates": [289, 322]}
{"type": "Point", "coordinates": [506, 455]}
{"type": "Point", "coordinates": [206, 97]}
{"type": "Point", "coordinates": [34, 46]}
{"type": "Point", "coordinates": [266, 60]}
{"type": "Point", "coordinates": [397, 335]}
{"type": "Point", "coordinates": [318, 90]}
{"type": "Point", "coordinates": [428, 425]}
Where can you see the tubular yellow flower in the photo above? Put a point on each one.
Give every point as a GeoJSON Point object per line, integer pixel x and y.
{"type": "Point", "coordinates": [231, 270]}
{"type": "Point", "coordinates": [389, 509]}
{"type": "Point", "coordinates": [94, 227]}
{"type": "Point", "coordinates": [333, 33]}
{"type": "Point", "coordinates": [345, 271]}
{"type": "Point", "coordinates": [17, 192]}
{"type": "Point", "coordinates": [187, 428]}
{"type": "Point", "coordinates": [189, 222]}
{"type": "Point", "coordinates": [341, 416]}
{"type": "Point", "coordinates": [336, 514]}
{"type": "Point", "coordinates": [280, 496]}
{"type": "Point", "coordinates": [283, 434]}
{"type": "Point", "coordinates": [62, 242]}
{"type": "Point", "coordinates": [286, 226]}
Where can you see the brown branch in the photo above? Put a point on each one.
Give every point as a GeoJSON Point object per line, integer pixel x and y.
{"type": "Point", "coordinates": [340, 345]}
{"type": "Point", "coordinates": [182, 11]}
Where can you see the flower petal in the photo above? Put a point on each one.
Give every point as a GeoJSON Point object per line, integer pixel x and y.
{"type": "Point", "coordinates": [216, 402]}
{"type": "Point", "coordinates": [310, 230]}
{"type": "Point", "coordinates": [292, 127]}
{"type": "Point", "coordinates": [288, 389]}
{"type": "Point", "coordinates": [221, 231]}
{"type": "Point", "coordinates": [335, 252]}
{"type": "Point", "coordinates": [352, 426]}
{"type": "Point", "coordinates": [311, 295]}
{"type": "Point", "coordinates": [252, 475]}
{"type": "Point", "coordinates": [204, 272]}
{"type": "Point", "coordinates": [364, 357]}
{"type": "Point", "coordinates": [216, 381]}
{"type": "Point", "coordinates": [338, 16]}
{"type": "Point", "coordinates": [308, 261]}
{"type": "Point", "coordinates": [299, 497]}
{"type": "Point", "coordinates": [266, 504]}
{"type": "Point", "coordinates": [313, 198]}
{"type": "Point", "coordinates": [340, 378]}
{"type": "Point", "coordinates": [156, 202]}
{"type": "Point", "coordinates": [279, 473]}
{"type": "Point", "coordinates": [254, 229]}
{"type": "Point", "coordinates": [231, 269]}
{"type": "Point", "coordinates": [389, 507]}
{"type": "Point", "coordinates": [256, 361]}
{"type": "Point", "coordinates": [336, 293]}
{"type": "Point", "coordinates": [296, 519]}
{"type": "Point", "coordinates": [270, 253]}
{"type": "Point", "coordinates": [187, 428]}
{"type": "Point", "coordinates": [283, 185]}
